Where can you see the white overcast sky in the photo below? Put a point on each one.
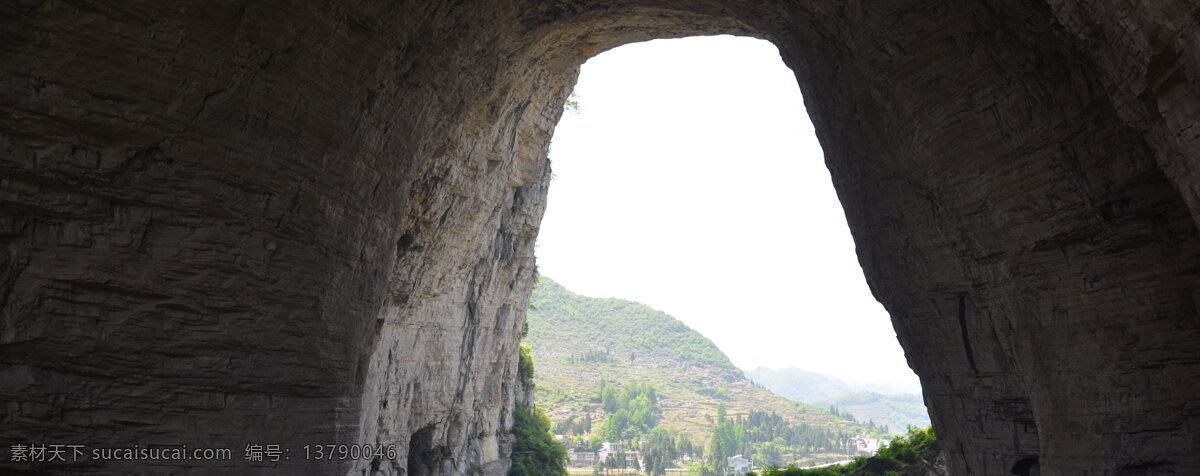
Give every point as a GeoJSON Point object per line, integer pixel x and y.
{"type": "Point", "coordinates": [691, 180]}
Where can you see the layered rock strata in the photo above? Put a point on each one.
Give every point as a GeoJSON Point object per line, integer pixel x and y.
{"type": "Point", "coordinates": [301, 223]}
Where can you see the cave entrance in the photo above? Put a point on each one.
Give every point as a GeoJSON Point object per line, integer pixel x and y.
{"type": "Point", "coordinates": [717, 171]}
{"type": "Point", "coordinates": [718, 209]}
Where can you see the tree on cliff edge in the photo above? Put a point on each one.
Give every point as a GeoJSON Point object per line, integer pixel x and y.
{"type": "Point", "coordinates": [535, 452]}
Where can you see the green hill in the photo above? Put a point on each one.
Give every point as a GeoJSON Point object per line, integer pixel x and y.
{"type": "Point", "coordinates": [614, 326]}
{"type": "Point", "coordinates": [579, 341]}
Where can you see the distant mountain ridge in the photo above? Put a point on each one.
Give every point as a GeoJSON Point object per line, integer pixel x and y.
{"type": "Point", "coordinates": [799, 385]}
{"type": "Point", "coordinates": [896, 410]}
{"type": "Point", "coordinates": [579, 340]}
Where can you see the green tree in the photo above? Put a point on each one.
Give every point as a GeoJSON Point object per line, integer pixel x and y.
{"type": "Point", "coordinates": [643, 412]}
{"type": "Point", "coordinates": [526, 361]}
{"type": "Point", "coordinates": [660, 451]}
{"type": "Point", "coordinates": [633, 410]}
{"type": "Point", "coordinates": [572, 103]}
{"type": "Point", "coordinates": [535, 452]}
{"type": "Point", "coordinates": [728, 439]}
{"type": "Point", "coordinates": [615, 424]}
{"type": "Point", "coordinates": [684, 445]}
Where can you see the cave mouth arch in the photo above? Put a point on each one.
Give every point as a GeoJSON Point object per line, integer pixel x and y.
{"type": "Point", "coordinates": [950, 215]}
{"type": "Point", "coordinates": [304, 222]}
{"type": "Point", "coordinates": [717, 198]}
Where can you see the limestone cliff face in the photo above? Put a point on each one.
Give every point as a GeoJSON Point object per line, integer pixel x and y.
{"type": "Point", "coordinates": [304, 223]}
{"type": "Point", "coordinates": [253, 223]}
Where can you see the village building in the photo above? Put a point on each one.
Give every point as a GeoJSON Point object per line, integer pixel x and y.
{"type": "Point", "coordinates": [868, 445]}
{"type": "Point", "coordinates": [738, 465]}
{"type": "Point", "coordinates": [581, 458]}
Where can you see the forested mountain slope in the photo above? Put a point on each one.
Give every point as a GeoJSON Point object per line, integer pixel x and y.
{"type": "Point", "coordinates": [579, 341]}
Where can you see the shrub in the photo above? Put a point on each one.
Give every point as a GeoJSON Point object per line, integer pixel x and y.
{"type": "Point", "coordinates": [526, 358]}
{"type": "Point", "coordinates": [535, 452]}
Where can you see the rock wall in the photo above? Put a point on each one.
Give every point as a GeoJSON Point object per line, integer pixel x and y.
{"type": "Point", "coordinates": [284, 222]}
{"type": "Point", "coordinates": [232, 224]}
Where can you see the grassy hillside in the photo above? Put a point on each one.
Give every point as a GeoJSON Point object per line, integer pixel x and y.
{"type": "Point", "coordinates": [577, 341]}
{"type": "Point", "coordinates": [616, 328]}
